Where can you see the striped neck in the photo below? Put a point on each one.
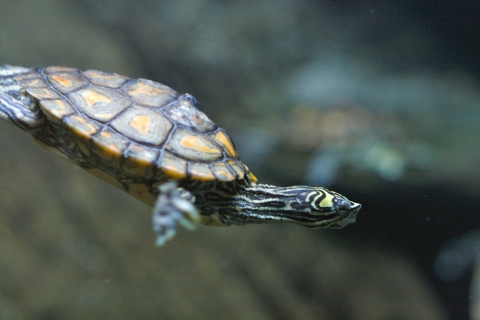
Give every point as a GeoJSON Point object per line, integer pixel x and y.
{"type": "Point", "coordinates": [236, 202]}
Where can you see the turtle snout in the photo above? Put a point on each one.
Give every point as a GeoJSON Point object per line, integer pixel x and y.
{"type": "Point", "coordinates": [344, 207]}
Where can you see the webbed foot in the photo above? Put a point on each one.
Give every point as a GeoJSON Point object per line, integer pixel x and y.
{"type": "Point", "coordinates": [174, 206]}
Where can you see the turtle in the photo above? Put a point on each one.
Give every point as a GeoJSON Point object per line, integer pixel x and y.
{"type": "Point", "coordinates": [159, 146]}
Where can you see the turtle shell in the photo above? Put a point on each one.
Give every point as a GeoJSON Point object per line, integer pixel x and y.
{"type": "Point", "coordinates": [133, 129]}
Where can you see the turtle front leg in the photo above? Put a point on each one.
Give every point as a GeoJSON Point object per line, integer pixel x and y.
{"type": "Point", "coordinates": [173, 206]}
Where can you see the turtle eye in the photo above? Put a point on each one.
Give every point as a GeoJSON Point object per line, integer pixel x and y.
{"type": "Point", "coordinates": [342, 206]}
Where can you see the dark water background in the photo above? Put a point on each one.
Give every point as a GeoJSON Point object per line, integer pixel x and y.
{"type": "Point", "coordinates": [379, 100]}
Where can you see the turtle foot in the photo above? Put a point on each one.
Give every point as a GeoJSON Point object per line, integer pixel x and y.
{"type": "Point", "coordinates": [174, 207]}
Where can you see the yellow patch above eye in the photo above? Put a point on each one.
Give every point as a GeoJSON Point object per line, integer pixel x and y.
{"type": "Point", "coordinates": [195, 143]}
{"type": "Point", "coordinates": [328, 201]}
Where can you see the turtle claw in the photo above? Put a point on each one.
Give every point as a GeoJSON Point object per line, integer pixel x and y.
{"type": "Point", "coordinates": [161, 239]}
{"type": "Point", "coordinates": [173, 207]}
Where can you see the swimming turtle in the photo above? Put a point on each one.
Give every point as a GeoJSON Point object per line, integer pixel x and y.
{"type": "Point", "coordinates": [157, 145]}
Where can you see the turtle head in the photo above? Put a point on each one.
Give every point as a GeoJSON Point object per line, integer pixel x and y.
{"type": "Point", "coordinates": [318, 207]}
{"type": "Point", "coordinates": [313, 207]}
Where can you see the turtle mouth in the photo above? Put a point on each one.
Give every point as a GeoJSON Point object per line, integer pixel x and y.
{"type": "Point", "coordinates": [352, 217]}
{"type": "Point", "coordinates": [355, 206]}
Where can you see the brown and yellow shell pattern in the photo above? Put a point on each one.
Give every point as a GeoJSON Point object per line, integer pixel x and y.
{"type": "Point", "coordinates": [140, 132]}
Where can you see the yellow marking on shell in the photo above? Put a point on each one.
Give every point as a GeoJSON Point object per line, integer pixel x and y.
{"type": "Point", "coordinates": [112, 150]}
{"type": "Point", "coordinates": [173, 167]}
{"type": "Point", "coordinates": [191, 145]}
{"type": "Point", "coordinates": [111, 80]}
{"type": "Point", "coordinates": [252, 177]}
{"type": "Point", "coordinates": [174, 172]}
{"type": "Point", "coordinates": [80, 126]}
{"type": "Point", "coordinates": [139, 161]}
{"type": "Point", "coordinates": [112, 146]}
{"type": "Point", "coordinates": [56, 110]}
{"type": "Point", "coordinates": [225, 141]}
{"type": "Point", "coordinates": [62, 80]}
{"type": "Point", "coordinates": [222, 172]}
{"type": "Point", "coordinates": [149, 93]}
{"type": "Point", "coordinates": [143, 88]}
{"type": "Point", "coordinates": [28, 76]}
{"type": "Point", "coordinates": [99, 103]}
{"type": "Point", "coordinates": [195, 143]}
{"type": "Point", "coordinates": [201, 172]}
{"type": "Point", "coordinates": [35, 83]}
{"type": "Point", "coordinates": [87, 128]}
{"type": "Point", "coordinates": [141, 123]}
{"type": "Point", "coordinates": [142, 155]}
{"type": "Point", "coordinates": [42, 93]}
{"type": "Point", "coordinates": [239, 170]}
{"type": "Point", "coordinates": [66, 82]}
{"type": "Point", "coordinates": [109, 146]}
{"type": "Point", "coordinates": [91, 97]}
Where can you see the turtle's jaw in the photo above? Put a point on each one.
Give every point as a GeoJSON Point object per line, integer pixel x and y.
{"type": "Point", "coordinates": [355, 208]}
